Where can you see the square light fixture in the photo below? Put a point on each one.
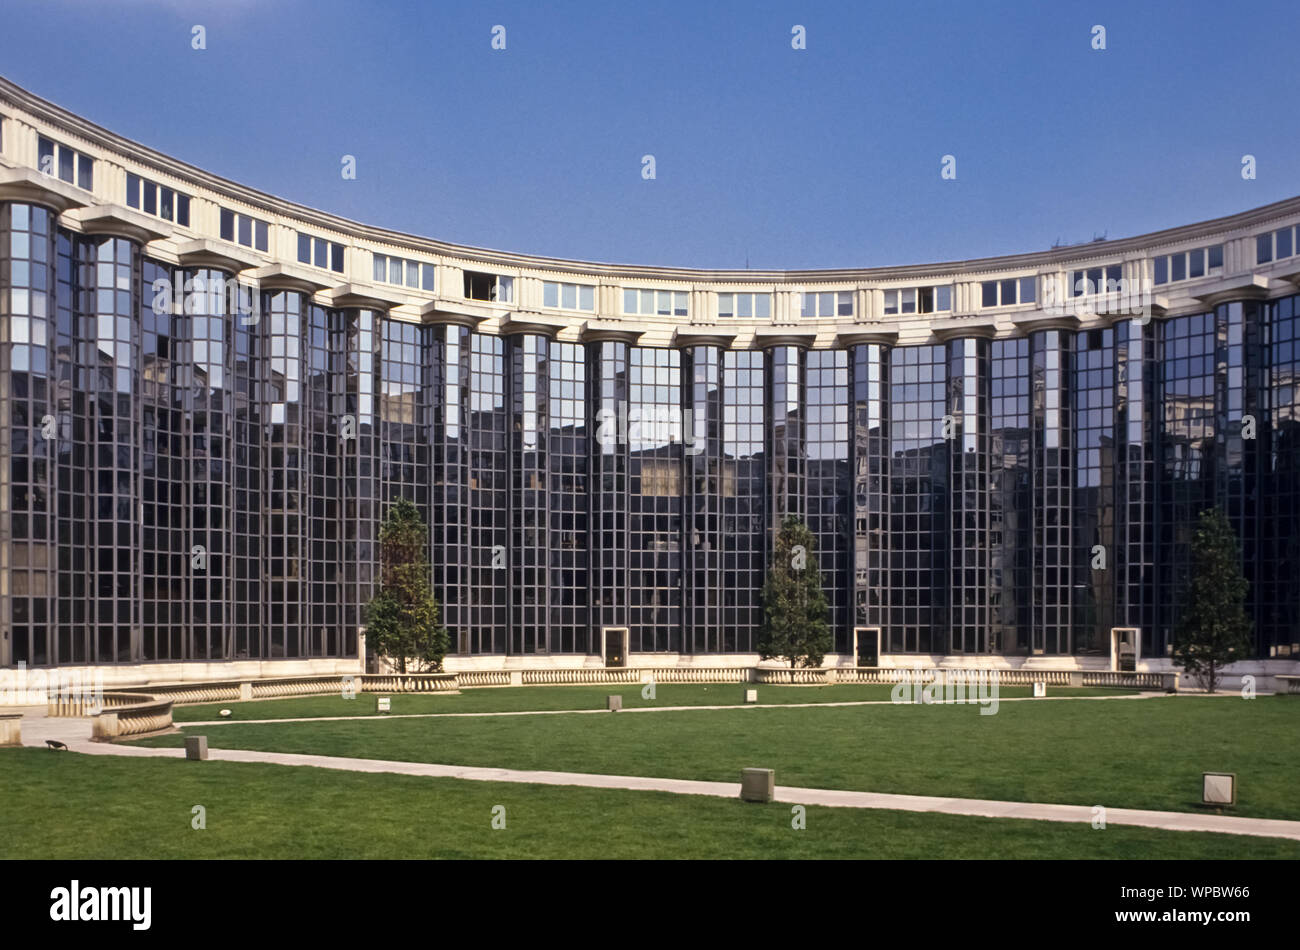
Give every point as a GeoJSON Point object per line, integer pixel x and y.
{"type": "Point", "coordinates": [1219, 788]}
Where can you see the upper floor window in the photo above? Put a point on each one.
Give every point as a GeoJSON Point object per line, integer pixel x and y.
{"type": "Point", "coordinates": [319, 252]}
{"type": "Point", "coordinates": [398, 270]}
{"type": "Point", "coordinates": [1275, 245]}
{"type": "Point", "coordinates": [1009, 292]}
{"type": "Point", "coordinates": [152, 198]}
{"type": "Point", "coordinates": [241, 229]}
{"type": "Point", "coordinates": [55, 158]}
{"type": "Point", "coordinates": [1188, 264]}
{"type": "Point", "coordinates": [745, 305]}
{"type": "Point", "coordinates": [833, 304]}
{"type": "Point", "coordinates": [918, 300]}
{"type": "Point", "coordinates": [479, 286]}
{"type": "Point", "coordinates": [1095, 280]}
{"type": "Point", "coordinates": [647, 303]}
{"type": "Point", "coordinates": [568, 296]}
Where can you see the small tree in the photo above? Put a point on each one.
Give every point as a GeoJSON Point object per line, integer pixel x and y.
{"type": "Point", "coordinates": [794, 605]}
{"type": "Point", "coordinates": [402, 620]}
{"type": "Point", "coordinates": [1214, 629]}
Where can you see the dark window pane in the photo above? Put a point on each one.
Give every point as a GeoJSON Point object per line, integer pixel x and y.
{"type": "Point", "coordinates": [85, 173]}
{"type": "Point", "coordinates": [133, 191]}
{"type": "Point", "coordinates": [262, 243]}
{"type": "Point", "coordinates": [1264, 248]}
{"type": "Point", "coordinates": [227, 225]}
{"type": "Point", "coordinates": [989, 293]}
{"type": "Point", "coordinates": [304, 249]}
{"type": "Point", "coordinates": [245, 230]}
{"type": "Point", "coordinates": [183, 210]}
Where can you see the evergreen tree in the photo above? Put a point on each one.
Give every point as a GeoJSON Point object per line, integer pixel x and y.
{"type": "Point", "coordinates": [795, 623]}
{"type": "Point", "coordinates": [1214, 629]}
{"type": "Point", "coordinates": [402, 622]}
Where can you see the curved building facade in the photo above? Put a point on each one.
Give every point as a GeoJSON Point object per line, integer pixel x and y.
{"type": "Point", "coordinates": [209, 395]}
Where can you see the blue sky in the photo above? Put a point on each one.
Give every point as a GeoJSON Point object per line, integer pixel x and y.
{"type": "Point", "coordinates": [824, 157]}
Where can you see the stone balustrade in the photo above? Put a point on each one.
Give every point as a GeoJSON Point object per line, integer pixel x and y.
{"type": "Point", "coordinates": [1287, 683]}
{"type": "Point", "coordinates": [407, 682]}
{"type": "Point", "coordinates": [483, 677]}
{"type": "Point", "coordinates": [576, 677]}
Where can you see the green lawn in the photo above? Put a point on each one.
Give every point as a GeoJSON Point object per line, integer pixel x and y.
{"type": "Point", "coordinates": [56, 805]}
{"type": "Point", "coordinates": [1138, 753]}
{"type": "Point", "coordinates": [519, 698]}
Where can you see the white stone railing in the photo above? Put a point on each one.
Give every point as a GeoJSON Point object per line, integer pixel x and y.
{"type": "Point", "coordinates": [190, 693]}
{"type": "Point", "coordinates": [592, 676]}
{"type": "Point", "coordinates": [796, 677]}
{"type": "Point", "coordinates": [138, 719]}
{"type": "Point", "coordinates": [1131, 680]}
{"type": "Point", "coordinates": [483, 677]}
{"type": "Point", "coordinates": [688, 674]}
{"type": "Point", "coordinates": [297, 686]}
{"type": "Point", "coordinates": [115, 714]}
{"type": "Point", "coordinates": [406, 683]}
{"type": "Point", "coordinates": [1288, 683]}
{"type": "Point", "coordinates": [89, 702]}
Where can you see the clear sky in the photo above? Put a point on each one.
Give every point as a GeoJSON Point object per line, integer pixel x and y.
{"type": "Point", "coordinates": [764, 155]}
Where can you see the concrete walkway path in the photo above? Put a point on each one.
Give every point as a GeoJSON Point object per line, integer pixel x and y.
{"type": "Point", "coordinates": [76, 734]}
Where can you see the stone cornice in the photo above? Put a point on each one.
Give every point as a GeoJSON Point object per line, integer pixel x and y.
{"type": "Point", "coordinates": [363, 297]}
{"type": "Point", "coordinates": [29, 185]}
{"type": "Point", "coordinates": [531, 321]}
{"type": "Point", "coordinates": [765, 337]}
{"type": "Point", "coordinates": [1246, 287]}
{"type": "Point", "coordinates": [205, 252]}
{"type": "Point", "coordinates": [443, 311]}
{"type": "Point", "coordinates": [598, 331]}
{"type": "Point", "coordinates": [958, 329]}
{"type": "Point", "coordinates": [1032, 322]}
{"type": "Point", "coordinates": [107, 220]}
{"type": "Point", "coordinates": [697, 335]}
{"type": "Point", "coordinates": [884, 337]}
{"type": "Point", "coordinates": [288, 277]}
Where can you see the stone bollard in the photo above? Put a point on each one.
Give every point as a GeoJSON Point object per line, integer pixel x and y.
{"type": "Point", "coordinates": [613, 703]}
{"type": "Point", "coordinates": [196, 748]}
{"type": "Point", "coordinates": [1040, 688]}
{"type": "Point", "coordinates": [757, 785]}
{"type": "Point", "coordinates": [751, 695]}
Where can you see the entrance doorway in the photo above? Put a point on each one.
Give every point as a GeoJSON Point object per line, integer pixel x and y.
{"type": "Point", "coordinates": [613, 645]}
{"type": "Point", "coordinates": [866, 646]}
{"type": "Point", "coordinates": [1125, 648]}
